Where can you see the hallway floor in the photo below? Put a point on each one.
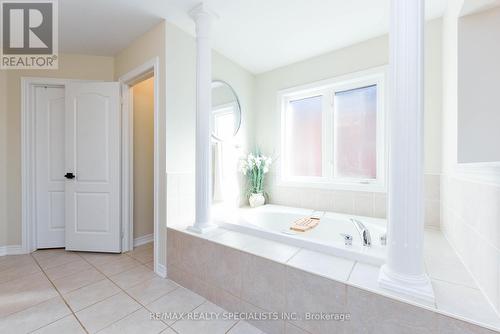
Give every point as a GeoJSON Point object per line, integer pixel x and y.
{"type": "Point", "coordinates": [55, 291]}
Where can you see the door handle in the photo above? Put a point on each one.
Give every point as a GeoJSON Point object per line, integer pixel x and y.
{"type": "Point", "coordinates": [69, 176]}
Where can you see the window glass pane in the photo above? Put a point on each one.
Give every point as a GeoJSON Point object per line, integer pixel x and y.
{"type": "Point", "coordinates": [303, 137]}
{"type": "Point", "coordinates": [223, 126]}
{"type": "Point", "coordinates": [356, 133]}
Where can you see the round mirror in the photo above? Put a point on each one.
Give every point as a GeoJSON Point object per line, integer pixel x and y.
{"type": "Point", "coordinates": [226, 111]}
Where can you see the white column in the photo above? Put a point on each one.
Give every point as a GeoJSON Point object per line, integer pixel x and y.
{"type": "Point", "coordinates": [404, 270]}
{"type": "Point", "coordinates": [203, 19]}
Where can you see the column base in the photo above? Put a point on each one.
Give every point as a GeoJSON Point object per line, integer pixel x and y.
{"type": "Point", "coordinates": [418, 287]}
{"type": "Point", "coordinates": [202, 229]}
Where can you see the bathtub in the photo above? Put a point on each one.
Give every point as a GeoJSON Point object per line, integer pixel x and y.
{"type": "Point", "coordinates": [273, 222]}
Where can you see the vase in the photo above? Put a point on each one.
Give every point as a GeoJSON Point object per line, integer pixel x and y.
{"type": "Point", "coordinates": [256, 199]}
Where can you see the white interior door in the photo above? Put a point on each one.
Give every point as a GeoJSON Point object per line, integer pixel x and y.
{"type": "Point", "coordinates": [50, 181]}
{"type": "Point", "coordinates": [92, 138]}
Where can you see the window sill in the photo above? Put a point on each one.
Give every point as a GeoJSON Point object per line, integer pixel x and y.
{"type": "Point", "coordinates": [378, 187]}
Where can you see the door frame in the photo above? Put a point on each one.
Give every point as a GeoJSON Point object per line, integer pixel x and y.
{"type": "Point", "coordinates": [136, 75]}
{"type": "Point", "coordinates": [28, 156]}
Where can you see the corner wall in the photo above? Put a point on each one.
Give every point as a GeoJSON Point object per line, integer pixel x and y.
{"type": "Point", "coordinates": [3, 164]}
{"type": "Point", "coordinates": [147, 47]}
{"type": "Point", "coordinates": [71, 66]}
{"type": "Point", "coordinates": [470, 202]}
{"type": "Point", "coordinates": [143, 95]}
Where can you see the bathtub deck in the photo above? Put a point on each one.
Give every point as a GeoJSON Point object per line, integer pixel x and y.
{"type": "Point", "coordinates": [451, 281]}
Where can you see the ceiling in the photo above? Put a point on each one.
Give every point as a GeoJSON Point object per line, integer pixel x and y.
{"type": "Point", "coordinates": [260, 35]}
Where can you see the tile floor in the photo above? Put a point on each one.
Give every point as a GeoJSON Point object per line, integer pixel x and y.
{"type": "Point", "coordinates": [54, 291]}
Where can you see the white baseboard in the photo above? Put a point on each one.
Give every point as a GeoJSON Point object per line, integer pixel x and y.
{"type": "Point", "coordinates": [162, 270]}
{"type": "Point", "coordinates": [145, 239]}
{"type": "Point", "coordinates": [12, 250]}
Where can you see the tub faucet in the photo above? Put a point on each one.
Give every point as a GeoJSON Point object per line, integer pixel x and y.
{"type": "Point", "coordinates": [363, 232]}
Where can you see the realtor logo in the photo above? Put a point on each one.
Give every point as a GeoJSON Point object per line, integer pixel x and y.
{"type": "Point", "coordinates": [29, 34]}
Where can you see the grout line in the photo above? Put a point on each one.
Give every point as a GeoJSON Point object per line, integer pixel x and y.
{"type": "Point", "coordinates": [293, 255]}
{"type": "Point", "coordinates": [61, 296]}
{"type": "Point", "coordinates": [106, 277]}
{"type": "Point", "coordinates": [352, 270]}
{"type": "Point", "coordinates": [231, 328]}
{"type": "Point", "coordinates": [454, 283]}
{"type": "Point", "coordinates": [124, 291]}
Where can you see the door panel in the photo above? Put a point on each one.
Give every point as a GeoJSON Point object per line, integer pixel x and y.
{"type": "Point", "coordinates": [92, 132]}
{"type": "Point", "coordinates": [93, 155]}
{"type": "Point", "coordinates": [50, 156]}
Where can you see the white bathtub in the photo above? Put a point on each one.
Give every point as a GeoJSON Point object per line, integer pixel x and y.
{"type": "Point", "coordinates": [273, 222]}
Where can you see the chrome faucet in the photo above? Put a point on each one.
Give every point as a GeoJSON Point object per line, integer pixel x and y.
{"type": "Point", "coordinates": [363, 232]}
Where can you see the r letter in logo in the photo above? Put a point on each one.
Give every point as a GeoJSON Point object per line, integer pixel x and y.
{"type": "Point", "coordinates": [29, 34]}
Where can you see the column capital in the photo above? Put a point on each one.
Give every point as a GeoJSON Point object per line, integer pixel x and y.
{"type": "Point", "coordinates": [203, 18]}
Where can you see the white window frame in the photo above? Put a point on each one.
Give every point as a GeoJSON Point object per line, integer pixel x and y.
{"type": "Point", "coordinates": [220, 110]}
{"type": "Point", "coordinates": [328, 88]}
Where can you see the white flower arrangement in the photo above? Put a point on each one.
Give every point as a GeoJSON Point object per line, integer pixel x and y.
{"type": "Point", "coordinates": [255, 166]}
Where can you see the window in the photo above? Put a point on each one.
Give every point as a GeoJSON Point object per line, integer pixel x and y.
{"type": "Point", "coordinates": [223, 121]}
{"type": "Point", "coordinates": [333, 133]}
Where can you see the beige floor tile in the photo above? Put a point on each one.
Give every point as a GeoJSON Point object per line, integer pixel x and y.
{"type": "Point", "coordinates": [57, 260]}
{"type": "Point", "coordinates": [47, 253]}
{"type": "Point", "coordinates": [132, 277]}
{"type": "Point", "coordinates": [22, 293]}
{"type": "Point", "coordinates": [143, 255]}
{"type": "Point", "coordinates": [18, 272]}
{"type": "Point", "coordinates": [244, 327]}
{"type": "Point", "coordinates": [67, 269]}
{"type": "Point", "coordinates": [150, 265]}
{"type": "Point", "coordinates": [149, 245]}
{"type": "Point", "coordinates": [100, 258]}
{"type": "Point", "coordinates": [137, 322]}
{"type": "Point", "coordinates": [106, 312]}
{"type": "Point", "coordinates": [291, 329]}
{"type": "Point", "coordinates": [179, 300]}
{"type": "Point", "coordinates": [91, 294]}
{"type": "Point", "coordinates": [34, 317]}
{"type": "Point", "coordinates": [75, 281]}
{"type": "Point", "coordinates": [266, 326]}
{"type": "Point", "coordinates": [152, 289]}
{"type": "Point", "coordinates": [67, 325]}
{"type": "Point", "coordinates": [117, 266]}
{"type": "Point", "coordinates": [213, 326]}
{"type": "Point", "coordinates": [11, 261]}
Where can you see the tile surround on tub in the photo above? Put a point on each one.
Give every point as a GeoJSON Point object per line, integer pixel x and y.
{"type": "Point", "coordinates": [470, 221]}
{"type": "Point", "coordinates": [180, 199]}
{"type": "Point", "coordinates": [368, 204]}
{"type": "Point", "coordinates": [296, 284]}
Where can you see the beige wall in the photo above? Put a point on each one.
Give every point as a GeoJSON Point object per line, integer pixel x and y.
{"type": "Point", "coordinates": [3, 160]}
{"type": "Point", "coordinates": [365, 55]}
{"type": "Point", "coordinates": [478, 82]}
{"type": "Point", "coordinates": [70, 66]}
{"type": "Point", "coordinates": [147, 47]}
{"type": "Point", "coordinates": [143, 95]}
